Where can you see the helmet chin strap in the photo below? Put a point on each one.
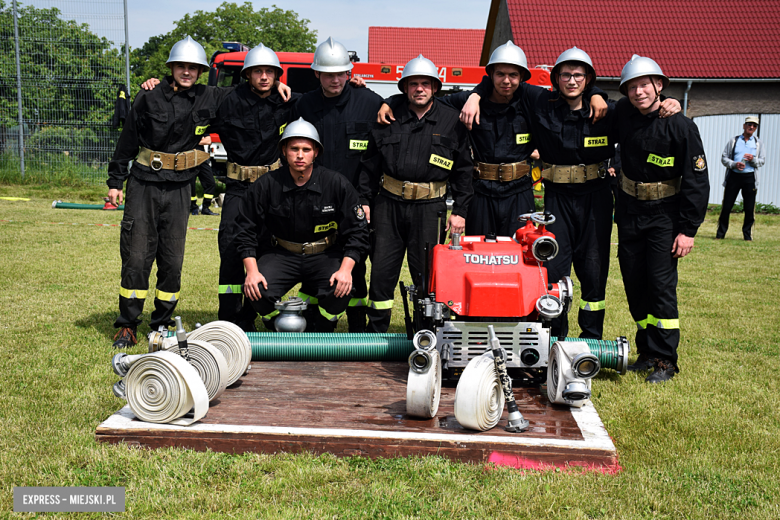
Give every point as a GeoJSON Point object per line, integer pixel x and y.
{"type": "Point", "coordinates": [657, 94]}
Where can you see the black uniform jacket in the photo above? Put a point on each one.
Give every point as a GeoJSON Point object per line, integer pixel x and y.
{"type": "Point", "coordinates": [164, 121]}
{"type": "Point", "coordinates": [434, 148]}
{"type": "Point", "coordinates": [324, 205]}
{"type": "Point", "coordinates": [563, 136]}
{"type": "Point", "coordinates": [343, 123]}
{"type": "Point", "coordinates": [250, 127]}
{"type": "Point", "coordinates": [502, 136]}
{"type": "Point", "coordinates": [653, 150]}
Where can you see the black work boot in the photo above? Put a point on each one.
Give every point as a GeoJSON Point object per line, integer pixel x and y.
{"type": "Point", "coordinates": [664, 371]}
{"type": "Point", "coordinates": [641, 364]}
{"type": "Point", "coordinates": [247, 326]}
{"type": "Point", "coordinates": [204, 210]}
{"type": "Point", "coordinates": [356, 319]}
{"type": "Point", "coordinates": [125, 338]}
{"type": "Point", "coordinates": [194, 207]}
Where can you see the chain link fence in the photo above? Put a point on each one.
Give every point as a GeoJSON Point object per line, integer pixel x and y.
{"type": "Point", "coordinates": [64, 61]}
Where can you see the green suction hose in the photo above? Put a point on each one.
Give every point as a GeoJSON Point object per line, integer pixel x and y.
{"type": "Point", "coordinates": [57, 204]}
{"type": "Point", "coordinates": [324, 346]}
{"type": "Point", "coordinates": [611, 354]}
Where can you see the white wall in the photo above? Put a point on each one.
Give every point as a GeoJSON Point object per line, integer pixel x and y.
{"type": "Point", "coordinates": [717, 130]}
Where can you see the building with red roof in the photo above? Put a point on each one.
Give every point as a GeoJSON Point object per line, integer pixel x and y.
{"type": "Point", "coordinates": [722, 58]}
{"type": "Point", "coordinates": [698, 44]}
{"type": "Point", "coordinates": [444, 47]}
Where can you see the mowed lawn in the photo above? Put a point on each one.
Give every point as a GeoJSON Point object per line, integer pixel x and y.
{"type": "Point", "coordinates": [705, 445]}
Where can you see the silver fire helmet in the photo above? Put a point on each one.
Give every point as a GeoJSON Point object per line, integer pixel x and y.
{"type": "Point", "coordinates": [262, 56]}
{"type": "Point", "coordinates": [188, 50]}
{"type": "Point", "coordinates": [331, 56]}
{"type": "Point", "coordinates": [573, 55]}
{"type": "Point", "coordinates": [300, 128]}
{"type": "Point", "coordinates": [420, 66]}
{"type": "Point", "coordinates": [637, 67]}
{"type": "Point", "coordinates": [510, 54]}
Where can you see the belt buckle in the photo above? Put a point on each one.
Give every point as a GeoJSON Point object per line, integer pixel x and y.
{"type": "Point", "coordinates": [501, 172]}
{"type": "Point", "coordinates": [602, 170]}
{"type": "Point", "coordinates": [176, 160]}
{"type": "Point", "coordinates": [304, 246]}
{"type": "Point", "coordinates": [156, 163]}
{"type": "Point", "coordinates": [403, 189]}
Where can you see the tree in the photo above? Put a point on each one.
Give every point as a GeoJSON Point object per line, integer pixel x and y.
{"type": "Point", "coordinates": [69, 78]}
{"type": "Point", "coordinates": [275, 28]}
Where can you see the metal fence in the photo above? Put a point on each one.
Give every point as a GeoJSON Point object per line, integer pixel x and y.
{"type": "Point", "coordinates": [62, 63]}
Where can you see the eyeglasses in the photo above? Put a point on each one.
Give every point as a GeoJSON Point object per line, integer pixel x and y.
{"type": "Point", "coordinates": [578, 76]}
{"type": "Point", "coordinates": [751, 124]}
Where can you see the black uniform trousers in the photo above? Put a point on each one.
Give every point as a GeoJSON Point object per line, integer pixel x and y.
{"type": "Point", "coordinates": [233, 307]}
{"type": "Point", "coordinates": [283, 270]}
{"type": "Point", "coordinates": [746, 182]}
{"type": "Point", "coordinates": [498, 214]}
{"type": "Point", "coordinates": [649, 272]}
{"type": "Point", "coordinates": [583, 228]}
{"type": "Point", "coordinates": [399, 227]}
{"type": "Point", "coordinates": [154, 227]}
{"type": "Point", "coordinates": [206, 177]}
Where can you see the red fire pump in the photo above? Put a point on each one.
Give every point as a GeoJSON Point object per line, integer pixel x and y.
{"type": "Point", "coordinates": [476, 281]}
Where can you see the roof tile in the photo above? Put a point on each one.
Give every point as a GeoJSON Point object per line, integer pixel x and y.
{"type": "Point", "coordinates": [461, 47]}
{"type": "Point", "coordinates": [688, 38]}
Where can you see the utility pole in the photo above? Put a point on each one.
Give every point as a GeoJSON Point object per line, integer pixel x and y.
{"type": "Point", "coordinates": [19, 88]}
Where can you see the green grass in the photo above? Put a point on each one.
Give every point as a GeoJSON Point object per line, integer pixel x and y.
{"type": "Point", "coordinates": [705, 445]}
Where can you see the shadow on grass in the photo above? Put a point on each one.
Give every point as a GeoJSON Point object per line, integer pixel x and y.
{"type": "Point", "coordinates": [103, 322]}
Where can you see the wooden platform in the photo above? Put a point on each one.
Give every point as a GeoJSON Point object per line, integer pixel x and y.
{"type": "Point", "coordinates": [359, 409]}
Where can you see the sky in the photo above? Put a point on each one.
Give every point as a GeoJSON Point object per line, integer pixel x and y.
{"type": "Point", "coordinates": [346, 21]}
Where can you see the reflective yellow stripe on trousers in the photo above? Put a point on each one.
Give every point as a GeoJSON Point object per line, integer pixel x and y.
{"type": "Point", "coordinates": [312, 300]}
{"type": "Point", "coordinates": [593, 306]}
{"type": "Point", "coordinates": [166, 296]}
{"type": "Point", "coordinates": [658, 323]}
{"type": "Point", "coordinates": [384, 305]}
{"type": "Point", "coordinates": [231, 289]}
{"type": "Point", "coordinates": [132, 294]}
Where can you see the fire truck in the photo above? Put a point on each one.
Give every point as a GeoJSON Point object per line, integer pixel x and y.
{"type": "Point", "coordinates": [382, 78]}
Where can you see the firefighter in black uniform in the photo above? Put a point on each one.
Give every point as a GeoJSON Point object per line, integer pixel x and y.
{"type": "Point", "coordinates": [343, 115]}
{"type": "Point", "coordinates": [574, 150]}
{"type": "Point", "coordinates": [160, 136]}
{"type": "Point", "coordinates": [206, 178]}
{"type": "Point", "coordinates": [665, 191]}
{"type": "Point", "coordinates": [316, 224]}
{"type": "Point", "coordinates": [501, 144]}
{"type": "Point", "coordinates": [250, 122]}
{"type": "Point", "coordinates": [412, 159]}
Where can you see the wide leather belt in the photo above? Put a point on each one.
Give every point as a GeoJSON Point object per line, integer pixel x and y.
{"type": "Point", "coordinates": [573, 173]}
{"type": "Point", "coordinates": [414, 190]}
{"type": "Point", "coordinates": [171, 161]}
{"type": "Point", "coordinates": [308, 248]}
{"type": "Point", "coordinates": [504, 172]}
{"type": "Point", "coordinates": [250, 173]}
{"type": "Point", "coordinates": [650, 190]}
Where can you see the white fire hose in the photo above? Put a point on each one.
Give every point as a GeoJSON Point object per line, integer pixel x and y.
{"type": "Point", "coordinates": [231, 341]}
{"type": "Point", "coordinates": [423, 385]}
{"type": "Point", "coordinates": [479, 398]}
{"type": "Point", "coordinates": [162, 388]}
{"type": "Point", "coordinates": [210, 363]}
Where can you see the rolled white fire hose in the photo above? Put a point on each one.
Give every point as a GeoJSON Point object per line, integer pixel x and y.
{"type": "Point", "coordinates": [162, 388]}
{"type": "Point", "coordinates": [210, 363]}
{"type": "Point", "coordinates": [231, 341]}
{"type": "Point", "coordinates": [423, 386]}
{"type": "Point", "coordinates": [479, 399]}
